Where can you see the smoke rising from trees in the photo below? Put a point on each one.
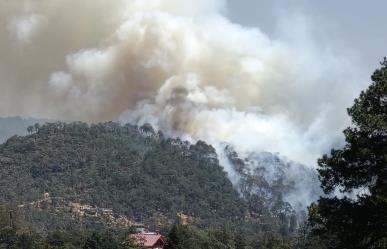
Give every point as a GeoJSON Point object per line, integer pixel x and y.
{"type": "Point", "coordinates": [183, 67]}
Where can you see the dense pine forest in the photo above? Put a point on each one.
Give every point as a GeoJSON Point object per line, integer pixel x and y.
{"type": "Point", "coordinates": [135, 173]}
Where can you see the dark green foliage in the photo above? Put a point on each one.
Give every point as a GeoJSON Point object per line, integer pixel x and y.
{"type": "Point", "coordinates": [20, 236]}
{"type": "Point", "coordinates": [185, 237]}
{"type": "Point", "coordinates": [127, 168]}
{"type": "Point", "coordinates": [17, 235]}
{"type": "Point", "coordinates": [100, 241]}
{"type": "Point", "coordinates": [360, 166]}
{"type": "Point", "coordinates": [16, 239]}
{"type": "Point", "coordinates": [224, 237]}
{"type": "Point", "coordinates": [138, 173]}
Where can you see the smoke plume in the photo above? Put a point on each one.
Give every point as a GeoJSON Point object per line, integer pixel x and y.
{"type": "Point", "coordinates": [179, 65]}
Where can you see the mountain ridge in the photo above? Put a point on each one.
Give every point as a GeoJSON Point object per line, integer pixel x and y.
{"type": "Point", "coordinates": [142, 175]}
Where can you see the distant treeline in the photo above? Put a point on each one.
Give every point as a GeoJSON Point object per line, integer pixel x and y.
{"type": "Point", "coordinates": [137, 172]}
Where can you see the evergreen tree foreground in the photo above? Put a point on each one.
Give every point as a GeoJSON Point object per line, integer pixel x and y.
{"type": "Point", "coordinates": [359, 172]}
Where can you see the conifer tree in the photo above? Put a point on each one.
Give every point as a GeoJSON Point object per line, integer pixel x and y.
{"type": "Point", "coordinates": [359, 171]}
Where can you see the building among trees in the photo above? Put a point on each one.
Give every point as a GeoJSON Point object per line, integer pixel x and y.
{"type": "Point", "coordinates": [150, 240]}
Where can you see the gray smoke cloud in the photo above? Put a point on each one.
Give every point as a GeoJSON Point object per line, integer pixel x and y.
{"type": "Point", "coordinates": [181, 66]}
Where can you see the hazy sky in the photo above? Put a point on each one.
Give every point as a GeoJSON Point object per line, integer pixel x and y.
{"type": "Point", "coordinates": [353, 26]}
{"type": "Point", "coordinates": [280, 81]}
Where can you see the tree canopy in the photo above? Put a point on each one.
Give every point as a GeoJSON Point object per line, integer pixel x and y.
{"type": "Point", "coordinates": [133, 170]}
{"type": "Point", "coordinates": [358, 219]}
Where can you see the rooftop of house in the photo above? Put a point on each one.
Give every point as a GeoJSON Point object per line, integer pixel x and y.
{"type": "Point", "coordinates": [148, 239]}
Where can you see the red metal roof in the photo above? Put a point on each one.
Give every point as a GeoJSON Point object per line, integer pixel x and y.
{"type": "Point", "coordinates": [148, 240]}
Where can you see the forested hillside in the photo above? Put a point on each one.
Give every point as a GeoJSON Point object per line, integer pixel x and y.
{"type": "Point", "coordinates": [138, 176]}
{"type": "Point", "coordinates": [132, 170]}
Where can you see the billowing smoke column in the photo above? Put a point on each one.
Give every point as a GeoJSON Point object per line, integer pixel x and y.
{"type": "Point", "coordinates": [179, 65]}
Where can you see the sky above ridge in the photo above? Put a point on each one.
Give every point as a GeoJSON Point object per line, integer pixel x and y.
{"type": "Point", "coordinates": [355, 26]}
{"type": "Point", "coordinates": [261, 75]}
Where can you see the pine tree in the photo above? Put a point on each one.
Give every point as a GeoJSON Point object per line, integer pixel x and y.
{"type": "Point", "coordinates": [359, 171]}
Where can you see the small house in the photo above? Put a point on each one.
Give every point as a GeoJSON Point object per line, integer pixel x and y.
{"type": "Point", "coordinates": [150, 240]}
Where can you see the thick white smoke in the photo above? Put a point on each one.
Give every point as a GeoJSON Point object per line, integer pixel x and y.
{"type": "Point", "coordinates": [180, 65]}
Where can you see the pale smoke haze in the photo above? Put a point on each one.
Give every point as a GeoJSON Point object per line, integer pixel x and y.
{"type": "Point", "coordinates": [179, 65]}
